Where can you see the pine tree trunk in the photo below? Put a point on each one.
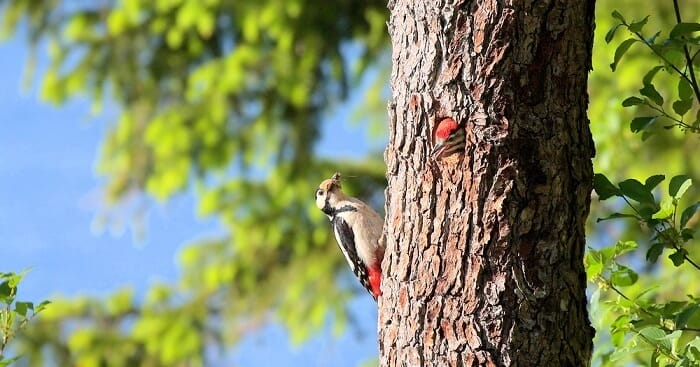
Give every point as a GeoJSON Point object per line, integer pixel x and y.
{"type": "Point", "coordinates": [484, 265]}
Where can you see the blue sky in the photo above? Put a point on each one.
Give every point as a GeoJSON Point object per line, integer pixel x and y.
{"type": "Point", "coordinates": [49, 196]}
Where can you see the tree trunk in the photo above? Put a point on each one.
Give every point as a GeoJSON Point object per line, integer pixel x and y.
{"type": "Point", "coordinates": [484, 265]}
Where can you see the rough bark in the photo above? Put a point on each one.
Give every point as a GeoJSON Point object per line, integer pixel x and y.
{"type": "Point", "coordinates": [484, 265]}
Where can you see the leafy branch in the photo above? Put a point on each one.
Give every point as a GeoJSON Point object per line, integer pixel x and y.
{"type": "Point", "coordinates": [686, 52]}
{"type": "Point", "coordinates": [680, 43]}
{"type": "Point", "coordinates": [669, 230]}
{"type": "Point", "coordinates": [14, 315]}
{"type": "Point", "coordinates": [656, 327]}
{"type": "Point", "coordinates": [645, 327]}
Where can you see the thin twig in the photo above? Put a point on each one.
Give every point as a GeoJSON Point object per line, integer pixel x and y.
{"type": "Point", "coordinates": [688, 59]}
{"type": "Point", "coordinates": [662, 57]}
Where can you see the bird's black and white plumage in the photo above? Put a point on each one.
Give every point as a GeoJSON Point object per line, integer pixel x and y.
{"type": "Point", "coordinates": [358, 230]}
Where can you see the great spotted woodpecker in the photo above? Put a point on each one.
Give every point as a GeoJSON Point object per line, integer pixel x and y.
{"type": "Point", "coordinates": [449, 138]}
{"type": "Point", "coordinates": [358, 230]}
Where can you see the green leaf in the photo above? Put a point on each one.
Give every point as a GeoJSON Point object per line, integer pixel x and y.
{"type": "Point", "coordinates": [649, 76]}
{"type": "Point", "coordinates": [637, 26]}
{"type": "Point", "coordinates": [655, 334]}
{"type": "Point", "coordinates": [593, 264]}
{"type": "Point", "coordinates": [15, 279]}
{"type": "Point", "coordinates": [616, 14]}
{"type": "Point", "coordinates": [6, 292]}
{"type": "Point", "coordinates": [684, 29]}
{"type": "Point", "coordinates": [603, 187]}
{"type": "Point", "coordinates": [687, 234]}
{"type": "Point", "coordinates": [41, 306]}
{"type": "Point", "coordinates": [650, 92]}
{"type": "Point", "coordinates": [623, 276]}
{"type": "Point", "coordinates": [619, 328]}
{"type": "Point", "coordinates": [682, 317]}
{"type": "Point", "coordinates": [672, 339]}
{"type": "Point", "coordinates": [646, 211]}
{"type": "Point", "coordinates": [611, 33]}
{"type": "Point", "coordinates": [688, 213]}
{"type": "Point", "coordinates": [679, 185]}
{"type": "Point", "coordinates": [621, 50]}
{"type": "Point", "coordinates": [678, 257]}
{"type": "Point", "coordinates": [607, 254]}
{"type": "Point", "coordinates": [685, 90]}
{"type": "Point", "coordinates": [654, 252]}
{"type": "Point", "coordinates": [681, 107]}
{"type": "Point", "coordinates": [616, 216]}
{"type": "Point", "coordinates": [693, 349]}
{"type": "Point", "coordinates": [623, 247]}
{"type": "Point", "coordinates": [653, 181]}
{"type": "Point", "coordinates": [636, 191]}
{"type": "Point", "coordinates": [640, 123]}
{"type": "Point", "coordinates": [22, 307]}
{"type": "Point", "coordinates": [632, 101]}
{"type": "Point", "coordinates": [667, 209]}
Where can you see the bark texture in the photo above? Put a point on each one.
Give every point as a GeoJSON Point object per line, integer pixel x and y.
{"type": "Point", "coordinates": [484, 265]}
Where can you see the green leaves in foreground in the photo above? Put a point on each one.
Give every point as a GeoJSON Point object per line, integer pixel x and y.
{"type": "Point", "coordinates": [682, 40]}
{"type": "Point", "coordinates": [643, 325]}
{"type": "Point", "coordinates": [14, 315]}
{"type": "Point", "coordinates": [666, 332]}
{"type": "Point", "coordinates": [670, 230]}
{"type": "Point", "coordinates": [639, 319]}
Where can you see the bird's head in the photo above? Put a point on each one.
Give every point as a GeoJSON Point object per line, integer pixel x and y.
{"type": "Point", "coordinates": [329, 192]}
{"type": "Point", "coordinates": [448, 135]}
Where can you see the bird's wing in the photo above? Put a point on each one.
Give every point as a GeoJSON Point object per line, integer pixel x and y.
{"type": "Point", "coordinates": [346, 241]}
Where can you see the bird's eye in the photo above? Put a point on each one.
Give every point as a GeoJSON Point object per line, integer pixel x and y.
{"type": "Point", "coordinates": [319, 192]}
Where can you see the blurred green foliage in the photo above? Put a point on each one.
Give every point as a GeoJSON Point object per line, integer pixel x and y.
{"type": "Point", "coordinates": [224, 98]}
{"type": "Point", "coordinates": [227, 97]}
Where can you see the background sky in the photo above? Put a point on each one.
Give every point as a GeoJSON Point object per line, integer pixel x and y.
{"type": "Point", "coordinates": [49, 197]}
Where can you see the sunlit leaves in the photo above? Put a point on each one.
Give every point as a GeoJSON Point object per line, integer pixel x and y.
{"type": "Point", "coordinates": [673, 53]}
{"type": "Point", "coordinates": [174, 339]}
{"type": "Point", "coordinates": [623, 276]}
{"type": "Point", "coordinates": [648, 326]}
{"type": "Point", "coordinates": [679, 185]}
{"type": "Point", "coordinates": [661, 216]}
{"type": "Point", "coordinates": [14, 315]}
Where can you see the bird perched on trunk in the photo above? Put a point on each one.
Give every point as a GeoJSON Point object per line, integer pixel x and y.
{"type": "Point", "coordinates": [358, 230]}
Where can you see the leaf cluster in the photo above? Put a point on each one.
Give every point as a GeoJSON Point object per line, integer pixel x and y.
{"type": "Point", "coordinates": [677, 54]}
{"type": "Point", "coordinates": [646, 322]}
{"type": "Point", "coordinates": [664, 330]}
{"type": "Point", "coordinates": [14, 315]}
